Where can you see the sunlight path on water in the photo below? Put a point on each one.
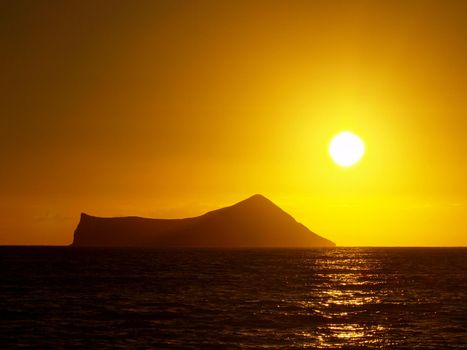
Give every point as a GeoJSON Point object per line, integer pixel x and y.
{"type": "Point", "coordinates": [347, 288]}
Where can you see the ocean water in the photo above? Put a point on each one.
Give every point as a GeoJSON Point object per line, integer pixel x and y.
{"type": "Point", "coordinates": [337, 298]}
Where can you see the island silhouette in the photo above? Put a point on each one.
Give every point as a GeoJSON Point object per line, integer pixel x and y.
{"type": "Point", "coordinates": [255, 222]}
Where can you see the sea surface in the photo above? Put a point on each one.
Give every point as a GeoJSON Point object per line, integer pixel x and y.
{"type": "Point", "coordinates": [335, 298]}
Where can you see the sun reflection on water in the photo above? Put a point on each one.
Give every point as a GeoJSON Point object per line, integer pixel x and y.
{"type": "Point", "coordinates": [346, 293]}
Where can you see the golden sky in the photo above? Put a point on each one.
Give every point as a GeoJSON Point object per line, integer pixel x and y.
{"type": "Point", "coordinates": [173, 108]}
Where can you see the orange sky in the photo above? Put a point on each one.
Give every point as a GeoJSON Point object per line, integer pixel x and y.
{"type": "Point", "coordinates": [173, 108]}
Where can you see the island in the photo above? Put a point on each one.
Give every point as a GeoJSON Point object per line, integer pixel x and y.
{"type": "Point", "coordinates": [255, 222]}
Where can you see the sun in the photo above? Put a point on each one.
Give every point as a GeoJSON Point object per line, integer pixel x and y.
{"type": "Point", "coordinates": [346, 148]}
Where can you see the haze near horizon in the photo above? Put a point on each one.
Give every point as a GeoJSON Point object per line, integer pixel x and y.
{"type": "Point", "coordinates": [171, 109]}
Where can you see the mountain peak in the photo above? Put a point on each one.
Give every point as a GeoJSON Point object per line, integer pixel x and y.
{"type": "Point", "coordinates": [256, 198]}
{"type": "Point", "coordinates": [254, 204]}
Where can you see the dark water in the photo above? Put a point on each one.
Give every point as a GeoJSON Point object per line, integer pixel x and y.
{"type": "Point", "coordinates": [401, 298]}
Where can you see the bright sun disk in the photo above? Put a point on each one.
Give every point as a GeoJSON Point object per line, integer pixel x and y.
{"type": "Point", "coordinates": [346, 148]}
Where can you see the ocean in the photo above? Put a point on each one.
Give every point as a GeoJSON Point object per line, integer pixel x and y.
{"type": "Point", "coordinates": [334, 298]}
